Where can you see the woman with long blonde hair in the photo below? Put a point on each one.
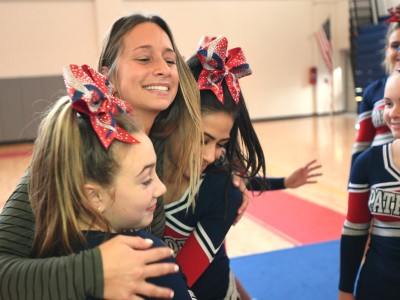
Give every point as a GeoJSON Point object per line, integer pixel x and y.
{"type": "Point", "coordinates": [141, 60]}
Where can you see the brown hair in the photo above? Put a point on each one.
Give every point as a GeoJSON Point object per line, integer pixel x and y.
{"type": "Point", "coordinates": [182, 116]}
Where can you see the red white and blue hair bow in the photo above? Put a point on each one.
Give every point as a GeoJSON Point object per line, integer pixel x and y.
{"type": "Point", "coordinates": [93, 95]}
{"type": "Point", "coordinates": [395, 14]}
{"type": "Point", "coordinates": [205, 40]}
{"type": "Point", "coordinates": [218, 64]}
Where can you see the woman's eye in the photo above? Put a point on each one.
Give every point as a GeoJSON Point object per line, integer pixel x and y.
{"type": "Point", "coordinates": [395, 46]}
{"type": "Point", "coordinates": [221, 145]}
{"type": "Point", "coordinates": [143, 59]}
{"type": "Point", "coordinates": [148, 182]}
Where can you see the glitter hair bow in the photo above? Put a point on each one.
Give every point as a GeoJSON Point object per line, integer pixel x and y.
{"type": "Point", "coordinates": [93, 95]}
{"type": "Point", "coordinates": [204, 41]}
{"type": "Point", "coordinates": [218, 64]}
{"type": "Point", "coordinates": [395, 14]}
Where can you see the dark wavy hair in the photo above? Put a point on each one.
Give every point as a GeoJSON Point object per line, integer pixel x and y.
{"type": "Point", "coordinates": [244, 154]}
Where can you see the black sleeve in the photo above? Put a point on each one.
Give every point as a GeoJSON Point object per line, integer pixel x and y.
{"type": "Point", "coordinates": [350, 261]}
{"type": "Point", "coordinates": [269, 184]}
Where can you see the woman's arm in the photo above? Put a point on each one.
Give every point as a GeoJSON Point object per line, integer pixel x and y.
{"type": "Point", "coordinates": [356, 226]}
{"type": "Point", "coordinates": [301, 176]}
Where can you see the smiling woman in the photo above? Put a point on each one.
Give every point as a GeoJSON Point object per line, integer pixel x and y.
{"type": "Point", "coordinates": [146, 75]}
{"type": "Point", "coordinates": [374, 214]}
{"type": "Point", "coordinates": [116, 260]}
{"type": "Point", "coordinates": [141, 59]}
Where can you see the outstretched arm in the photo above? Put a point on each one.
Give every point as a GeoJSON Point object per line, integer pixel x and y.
{"type": "Point", "coordinates": [303, 175]}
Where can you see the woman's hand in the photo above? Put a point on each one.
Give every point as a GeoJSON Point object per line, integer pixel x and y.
{"type": "Point", "coordinates": [303, 175]}
{"type": "Point", "coordinates": [128, 262]}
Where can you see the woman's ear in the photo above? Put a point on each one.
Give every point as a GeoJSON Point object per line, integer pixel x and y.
{"type": "Point", "coordinates": [92, 192]}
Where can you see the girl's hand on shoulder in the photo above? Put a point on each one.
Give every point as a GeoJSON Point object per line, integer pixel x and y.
{"type": "Point", "coordinates": [239, 183]}
{"type": "Point", "coordinates": [128, 262]}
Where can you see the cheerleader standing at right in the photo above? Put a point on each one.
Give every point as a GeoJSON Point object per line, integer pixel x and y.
{"type": "Point", "coordinates": [374, 197]}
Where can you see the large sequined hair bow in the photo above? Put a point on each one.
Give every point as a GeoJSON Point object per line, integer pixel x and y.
{"type": "Point", "coordinates": [395, 14]}
{"type": "Point", "coordinates": [205, 40]}
{"type": "Point", "coordinates": [218, 64]}
{"type": "Point", "coordinates": [93, 95]}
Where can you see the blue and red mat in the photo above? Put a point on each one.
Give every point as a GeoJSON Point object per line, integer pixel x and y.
{"type": "Point", "coordinates": [310, 270]}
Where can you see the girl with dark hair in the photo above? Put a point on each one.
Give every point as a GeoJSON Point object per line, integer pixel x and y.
{"type": "Point", "coordinates": [198, 229]}
{"type": "Point", "coordinates": [231, 146]}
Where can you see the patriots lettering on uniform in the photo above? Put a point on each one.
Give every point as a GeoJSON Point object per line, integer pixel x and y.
{"type": "Point", "coordinates": [384, 202]}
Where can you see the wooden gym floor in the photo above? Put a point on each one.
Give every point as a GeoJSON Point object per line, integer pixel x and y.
{"type": "Point", "coordinates": [288, 144]}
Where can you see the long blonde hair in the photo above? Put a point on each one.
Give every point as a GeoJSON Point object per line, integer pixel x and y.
{"type": "Point", "coordinates": [182, 117]}
{"type": "Point", "coordinates": [386, 62]}
{"type": "Point", "coordinates": [67, 154]}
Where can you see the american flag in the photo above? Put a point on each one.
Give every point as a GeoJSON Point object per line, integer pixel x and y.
{"type": "Point", "coordinates": [323, 36]}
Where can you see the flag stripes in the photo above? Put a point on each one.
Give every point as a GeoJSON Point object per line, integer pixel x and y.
{"type": "Point", "coordinates": [322, 36]}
